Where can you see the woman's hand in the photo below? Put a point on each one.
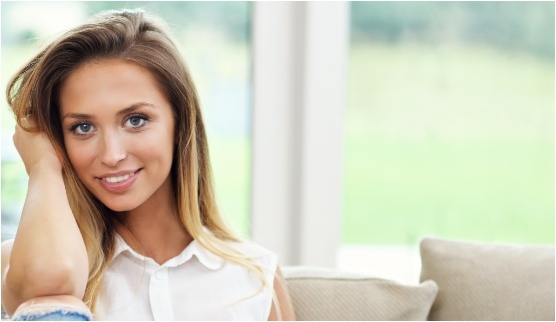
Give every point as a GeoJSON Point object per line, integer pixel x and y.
{"type": "Point", "coordinates": [34, 147]}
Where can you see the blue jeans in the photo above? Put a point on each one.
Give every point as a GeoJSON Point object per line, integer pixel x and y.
{"type": "Point", "coordinates": [49, 312]}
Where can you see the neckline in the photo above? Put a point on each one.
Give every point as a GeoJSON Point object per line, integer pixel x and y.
{"type": "Point", "coordinates": [205, 257]}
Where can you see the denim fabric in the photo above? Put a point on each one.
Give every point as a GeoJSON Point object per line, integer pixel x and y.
{"type": "Point", "coordinates": [62, 313]}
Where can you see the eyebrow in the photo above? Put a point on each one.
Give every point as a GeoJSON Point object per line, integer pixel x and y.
{"type": "Point", "coordinates": [82, 116]}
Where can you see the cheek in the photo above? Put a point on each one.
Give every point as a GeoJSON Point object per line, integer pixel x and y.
{"type": "Point", "coordinates": [79, 156]}
{"type": "Point", "coordinates": [169, 138]}
{"type": "Point", "coordinates": [156, 147]}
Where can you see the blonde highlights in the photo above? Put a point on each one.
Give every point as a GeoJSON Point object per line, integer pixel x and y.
{"type": "Point", "coordinates": [133, 36]}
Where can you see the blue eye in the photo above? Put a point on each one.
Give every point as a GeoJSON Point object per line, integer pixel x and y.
{"type": "Point", "coordinates": [136, 121]}
{"type": "Point", "coordinates": [81, 128]}
{"type": "Point", "coordinates": [85, 128]}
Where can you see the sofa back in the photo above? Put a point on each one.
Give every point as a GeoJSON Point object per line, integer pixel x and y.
{"type": "Point", "coordinates": [460, 280]}
{"type": "Point", "coordinates": [485, 281]}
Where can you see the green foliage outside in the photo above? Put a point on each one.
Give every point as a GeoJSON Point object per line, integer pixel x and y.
{"type": "Point", "coordinates": [450, 124]}
{"type": "Point", "coordinates": [473, 159]}
{"type": "Point", "coordinates": [516, 25]}
{"type": "Point", "coordinates": [468, 154]}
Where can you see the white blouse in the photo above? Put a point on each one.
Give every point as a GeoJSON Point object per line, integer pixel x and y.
{"type": "Point", "coordinates": [195, 285]}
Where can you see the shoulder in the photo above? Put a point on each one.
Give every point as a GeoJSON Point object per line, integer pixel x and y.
{"type": "Point", "coordinates": [251, 248]}
{"type": "Point", "coordinates": [256, 252]}
{"type": "Point", "coordinates": [255, 258]}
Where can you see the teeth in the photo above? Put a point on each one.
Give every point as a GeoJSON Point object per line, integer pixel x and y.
{"type": "Point", "coordinates": [116, 179]}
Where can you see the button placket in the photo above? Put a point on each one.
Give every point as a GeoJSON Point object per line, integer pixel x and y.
{"type": "Point", "coordinates": [159, 295]}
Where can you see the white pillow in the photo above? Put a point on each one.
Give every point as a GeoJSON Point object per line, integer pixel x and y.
{"type": "Point", "coordinates": [326, 294]}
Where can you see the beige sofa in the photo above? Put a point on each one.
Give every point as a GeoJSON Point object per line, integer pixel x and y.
{"type": "Point", "coordinates": [460, 280]}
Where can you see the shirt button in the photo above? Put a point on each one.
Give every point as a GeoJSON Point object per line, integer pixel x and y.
{"type": "Point", "coordinates": [160, 275]}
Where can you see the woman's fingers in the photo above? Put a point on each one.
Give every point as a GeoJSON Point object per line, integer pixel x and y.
{"type": "Point", "coordinates": [33, 146]}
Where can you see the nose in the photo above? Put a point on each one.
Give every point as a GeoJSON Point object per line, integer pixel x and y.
{"type": "Point", "coordinates": [113, 150]}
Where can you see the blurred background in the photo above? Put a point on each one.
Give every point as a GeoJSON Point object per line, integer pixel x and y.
{"type": "Point", "coordinates": [448, 127]}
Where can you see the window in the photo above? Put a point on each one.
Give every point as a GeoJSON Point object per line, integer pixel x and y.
{"type": "Point", "coordinates": [450, 123]}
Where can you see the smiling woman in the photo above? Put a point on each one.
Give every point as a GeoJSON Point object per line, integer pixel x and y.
{"type": "Point", "coordinates": [119, 131]}
{"type": "Point", "coordinates": [120, 210]}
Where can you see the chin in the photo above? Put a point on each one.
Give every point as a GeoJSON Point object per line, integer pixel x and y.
{"type": "Point", "coordinates": [121, 208]}
{"type": "Point", "coordinates": [118, 206]}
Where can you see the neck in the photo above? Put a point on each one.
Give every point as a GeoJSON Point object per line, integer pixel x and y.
{"type": "Point", "coordinates": [154, 228]}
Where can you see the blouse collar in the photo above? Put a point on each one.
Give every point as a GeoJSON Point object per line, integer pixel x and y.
{"type": "Point", "coordinates": [205, 257]}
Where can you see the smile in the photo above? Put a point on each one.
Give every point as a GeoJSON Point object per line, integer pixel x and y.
{"type": "Point", "coordinates": [119, 183]}
{"type": "Point", "coordinates": [117, 179]}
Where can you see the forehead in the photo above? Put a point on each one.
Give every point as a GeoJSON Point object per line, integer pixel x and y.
{"type": "Point", "coordinates": [112, 83]}
{"type": "Point", "coordinates": [110, 72]}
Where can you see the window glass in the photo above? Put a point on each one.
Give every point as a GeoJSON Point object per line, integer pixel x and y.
{"type": "Point", "coordinates": [215, 42]}
{"type": "Point", "coordinates": [450, 122]}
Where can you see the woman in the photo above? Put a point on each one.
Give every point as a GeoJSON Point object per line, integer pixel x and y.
{"type": "Point", "coordinates": [120, 216]}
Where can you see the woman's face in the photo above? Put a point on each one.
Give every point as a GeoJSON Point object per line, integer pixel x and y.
{"type": "Point", "coordinates": [119, 132]}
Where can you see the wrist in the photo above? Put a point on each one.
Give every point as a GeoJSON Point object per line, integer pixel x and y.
{"type": "Point", "coordinates": [45, 167]}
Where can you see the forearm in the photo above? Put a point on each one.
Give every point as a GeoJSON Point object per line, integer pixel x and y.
{"type": "Point", "coordinates": [48, 255]}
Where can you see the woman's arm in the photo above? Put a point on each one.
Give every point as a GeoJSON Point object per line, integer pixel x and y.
{"type": "Point", "coordinates": [286, 308]}
{"type": "Point", "coordinates": [48, 255]}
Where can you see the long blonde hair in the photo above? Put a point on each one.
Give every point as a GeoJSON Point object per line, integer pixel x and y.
{"type": "Point", "coordinates": [134, 36]}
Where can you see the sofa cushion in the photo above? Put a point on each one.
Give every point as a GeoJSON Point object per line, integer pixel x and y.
{"type": "Point", "coordinates": [326, 294]}
{"type": "Point", "coordinates": [479, 281]}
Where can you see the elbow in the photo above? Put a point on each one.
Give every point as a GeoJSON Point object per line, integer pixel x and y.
{"type": "Point", "coordinates": [43, 279]}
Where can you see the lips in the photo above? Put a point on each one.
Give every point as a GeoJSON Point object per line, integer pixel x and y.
{"type": "Point", "coordinates": [119, 182]}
